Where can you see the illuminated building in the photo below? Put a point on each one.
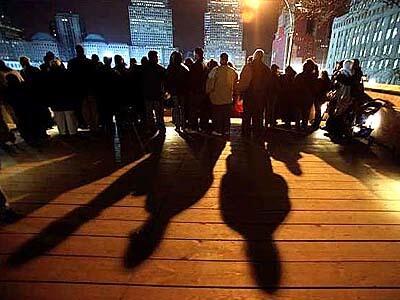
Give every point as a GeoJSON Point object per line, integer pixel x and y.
{"type": "Point", "coordinates": [370, 31]}
{"type": "Point", "coordinates": [151, 28]}
{"type": "Point", "coordinates": [70, 32]}
{"type": "Point", "coordinates": [11, 38]}
{"type": "Point", "coordinates": [223, 31]}
{"type": "Point", "coordinates": [96, 44]}
{"type": "Point", "coordinates": [310, 41]}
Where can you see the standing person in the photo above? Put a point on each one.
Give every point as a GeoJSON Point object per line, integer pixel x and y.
{"type": "Point", "coordinates": [154, 76]}
{"type": "Point", "coordinates": [120, 86]}
{"type": "Point", "coordinates": [177, 87]}
{"type": "Point", "coordinates": [221, 85]}
{"type": "Point", "coordinates": [272, 105]}
{"type": "Point", "coordinates": [255, 85]}
{"type": "Point", "coordinates": [7, 114]}
{"type": "Point", "coordinates": [288, 109]}
{"type": "Point", "coordinates": [33, 83]}
{"type": "Point", "coordinates": [189, 62]}
{"type": "Point", "coordinates": [132, 64]}
{"type": "Point", "coordinates": [198, 104]}
{"type": "Point", "coordinates": [324, 85]}
{"type": "Point", "coordinates": [306, 83]}
{"type": "Point", "coordinates": [106, 92]}
{"type": "Point", "coordinates": [45, 66]}
{"type": "Point", "coordinates": [81, 69]}
{"type": "Point", "coordinates": [62, 104]}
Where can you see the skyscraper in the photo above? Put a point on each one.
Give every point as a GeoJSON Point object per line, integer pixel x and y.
{"type": "Point", "coordinates": [70, 32]}
{"type": "Point", "coordinates": [223, 30]}
{"type": "Point", "coordinates": [151, 28]}
{"type": "Point", "coordinates": [370, 31]}
{"type": "Point", "coordinates": [11, 37]}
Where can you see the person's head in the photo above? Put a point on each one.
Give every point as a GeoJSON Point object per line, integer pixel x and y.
{"type": "Point", "coordinates": [223, 59]}
{"type": "Point", "coordinates": [144, 61]}
{"type": "Point", "coordinates": [48, 57]}
{"type": "Point", "coordinates": [325, 75]}
{"type": "Point", "coordinates": [175, 58]}
{"type": "Point", "coordinates": [258, 55]}
{"type": "Point", "coordinates": [212, 64]}
{"type": "Point", "coordinates": [198, 53]}
{"type": "Point", "coordinates": [289, 71]}
{"type": "Point", "coordinates": [119, 61]}
{"type": "Point", "coordinates": [79, 51]}
{"type": "Point", "coordinates": [3, 67]}
{"type": "Point", "coordinates": [153, 57]}
{"type": "Point", "coordinates": [24, 61]}
{"type": "Point", "coordinates": [107, 61]}
{"type": "Point", "coordinates": [132, 62]}
{"type": "Point", "coordinates": [95, 58]}
{"type": "Point", "coordinates": [309, 66]}
{"type": "Point", "coordinates": [189, 62]}
{"type": "Point", "coordinates": [356, 63]}
{"type": "Point", "coordinates": [275, 69]}
{"type": "Point", "coordinates": [56, 64]}
{"type": "Point", "coordinates": [250, 59]}
{"type": "Point", "coordinates": [348, 66]}
{"type": "Point", "coordinates": [12, 81]}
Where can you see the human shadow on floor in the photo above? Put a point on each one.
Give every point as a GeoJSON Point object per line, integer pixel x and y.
{"type": "Point", "coordinates": [137, 180]}
{"type": "Point", "coordinates": [182, 190]}
{"type": "Point", "coordinates": [65, 165]}
{"type": "Point", "coordinates": [255, 202]}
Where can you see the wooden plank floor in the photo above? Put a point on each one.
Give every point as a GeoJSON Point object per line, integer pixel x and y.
{"type": "Point", "coordinates": [200, 218]}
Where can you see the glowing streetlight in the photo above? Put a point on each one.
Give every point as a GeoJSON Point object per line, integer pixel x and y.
{"type": "Point", "coordinates": [254, 4]}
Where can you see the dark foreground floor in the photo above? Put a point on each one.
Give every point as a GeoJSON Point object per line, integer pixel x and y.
{"type": "Point", "coordinates": [200, 218]}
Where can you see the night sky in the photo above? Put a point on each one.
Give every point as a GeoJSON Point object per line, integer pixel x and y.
{"type": "Point", "coordinates": [110, 18]}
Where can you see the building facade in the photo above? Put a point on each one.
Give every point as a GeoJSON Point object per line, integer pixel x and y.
{"type": "Point", "coordinates": [96, 44]}
{"type": "Point", "coordinates": [151, 28]}
{"type": "Point", "coordinates": [370, 31]}
{"type": "Point", "coordinates": [11, 38]}
{"type": "Point", "coordinates": [39, 44]}
{"type": "Point", "coordinates": [223, 31]}
{"type": "Point", "coordinates": [310, 40]}
{"type": "Point", "coordinates": [70, 32]}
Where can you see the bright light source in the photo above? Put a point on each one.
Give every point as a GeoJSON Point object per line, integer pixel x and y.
{"type": "Point", "coordinates": [248, 16]}
{"type": "Point", "coordinates": [372, 81]}
{"type": "Point", "coordinates": [254, 4]}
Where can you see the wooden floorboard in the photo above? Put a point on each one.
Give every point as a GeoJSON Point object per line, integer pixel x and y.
{"type": "Point", "coordinates": [202, 219]}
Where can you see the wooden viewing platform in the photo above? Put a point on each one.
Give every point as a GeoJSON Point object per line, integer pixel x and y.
{"type": "Point", "coordinates": [200, 218]}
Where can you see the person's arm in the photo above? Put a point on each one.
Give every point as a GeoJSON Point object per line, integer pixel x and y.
{"type": "Point", "coordinates": [210, 85]}
{"type": "Point", "coordinates": [245, 79]}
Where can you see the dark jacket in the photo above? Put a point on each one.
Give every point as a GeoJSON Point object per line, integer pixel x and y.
{"type": "Point", "coordinates": [256, 82]}
{"type": "Point", "coordinates": [82, 70]}
{"type": "Point", "coordinates": [198, 77]}
{"type": "Point", "coordinates": [154, 77]}
{"type": "Point", "coordinates": [60, 100]}
{"type": "Point", "coordinates": [177, 80]}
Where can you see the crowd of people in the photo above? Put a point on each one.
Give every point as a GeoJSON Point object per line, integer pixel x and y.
{"type": "Point", "coordinates": [92, 95]}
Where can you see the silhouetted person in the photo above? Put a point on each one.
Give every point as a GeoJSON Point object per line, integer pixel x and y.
{"type": "Point", "coordinates": [45, 66]}
{"type": "Point", "coordinates": [272, 104]}
{"type": "Point", "coordinates": [33, 81]}
{"type": "Point", "coordinates": [211, 65]}
{"type": "Point", "coordinates": [132, 64]}
{"type": "Point", "coordinates": [305, 83]}
{"type": "Point", "coordinates": [82, 70]}
{"type": "Point", "coordinates": [221, 85]}
{"type": "Point", "coordinates": [106, 101]}
{"type": "Point", "coordinates": [254, 84]}
{"type": "Point", "coordinates": [154, 77]}
{"type": "Point", "coordinates": [177, 87]}
{"type": "Point", "coordinates": [62, 103]}
{"type": "Point", "coordinates": [324, 85]}
{"type": "Point", "coordinates": [96, 61]}
{"type": "Point", "coordinates": [189, 62]}
{"type": "Point", "coordinates": [198, 104]}
{"type": "Point", "coordinates": [28, 114]}
{"type": "Point", "coordinates": [288, 96]}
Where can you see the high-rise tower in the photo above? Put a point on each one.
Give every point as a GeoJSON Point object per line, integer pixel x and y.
{"type": "Point", "coordinates": [70, 32]}
{"type": "Point", "coordinates": [223, 30]}
{"type": "Point", "coordinates": [151, 28]}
